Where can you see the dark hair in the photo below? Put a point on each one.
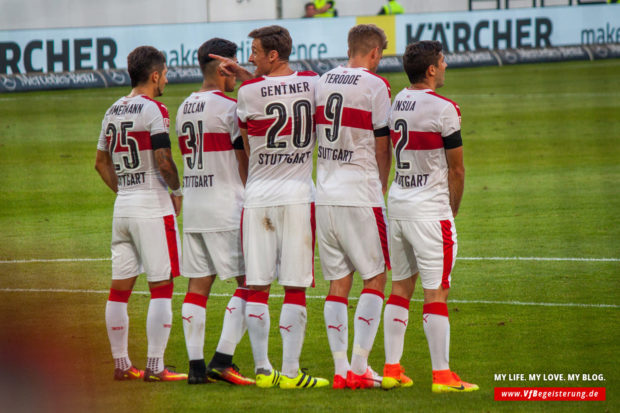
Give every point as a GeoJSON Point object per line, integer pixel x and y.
{"type": "Point", "coordinates": [419, 56]}
{"type": "Point", "coordinates": [365, 37]}
{"type": "Point", "coordinates": [221, 47]}
{"type": "Point", "coordinates": [143, 61]}
{"type": "Point", "coordinates": [274, 38]}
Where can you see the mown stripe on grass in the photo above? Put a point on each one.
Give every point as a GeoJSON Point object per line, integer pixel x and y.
{"type": "Point", "coordinates": [314, 297]}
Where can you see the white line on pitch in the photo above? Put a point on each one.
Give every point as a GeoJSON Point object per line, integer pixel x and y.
{"type": "Point", "coordinates": [581, 259]}
{"type": "Point", "coordinates": [314, 297]}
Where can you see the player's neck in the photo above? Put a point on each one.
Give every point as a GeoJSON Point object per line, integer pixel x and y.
{"type": "Point", "coordinates": [359, 62]}
{"type": "Point", "coordinates": [281, 68]}
{"type": "Point", "coordinates": [425, 84]}
{"type": "Point", "coordinates": [146, 90]}
{"type": "Point", "coordinates": [212, 84]}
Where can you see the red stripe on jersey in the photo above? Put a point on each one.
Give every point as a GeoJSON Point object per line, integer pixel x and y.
{"type": "Point", "coordinates": [297, 297]}
{"type": "Point", "coordinates": [435, 308]}
{"type": "Point", "coordinates": [173, 248]}
{"type": "Point", "coordinates": [381, 227]}
{"type": "Point", "coordinates": [448, 243]}
{"type": "Point", "coordinates": [337, 299]}
{"type": "Point", "coordinates": [185, 150]}
{"type": "Point", "coordinates": [224, 96]}
{"type": "Point", "coordinates": [424, 141]}
{"type": "Point", "coordinates": [196, 299]}
{"type": "Point", "coordinates": [217, 142]}
{"type": "Point", "coordinates": [456, 106]}
{"type": "Point", "coordinates": [353, 118]}
{"type": "Point", "coordinates": [162, 108]}
{"type": "Point", "coordinates": [259, 127]}
{"type": "Point", "coordinates": [242, 125]}
{"type": "Point", "coordinates": [249, 82]}
{"type": "Point", "coordinates": [142, 138]}
{"type": "Point", "coordinates": [163, 291]}
{"type": "Point", "coordinates": [307, 73]}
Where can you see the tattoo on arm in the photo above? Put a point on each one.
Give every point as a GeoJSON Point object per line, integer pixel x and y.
{"type": "Point", "coordinates": [167, 167]}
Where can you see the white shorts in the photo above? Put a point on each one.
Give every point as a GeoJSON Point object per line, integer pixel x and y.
{"type": "Point", "coordinates": [208, 253]}
{"type": "Point", "coordinates": [428, 247]}
{"type": "Point", "coordinates": [352, 238]}
{"type": "Point", "coordinates": [148, 245]}
{"type": "Point", "coordinates": [278, 242]}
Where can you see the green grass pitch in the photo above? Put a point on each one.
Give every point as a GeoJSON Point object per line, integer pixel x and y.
{"type": "Point", "coordinates": [542, 157]}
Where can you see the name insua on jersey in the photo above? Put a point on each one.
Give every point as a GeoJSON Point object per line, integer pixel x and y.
{"type": "Point", "coordinates": [404, 106]}
{"type": "Point", "coordinates": [194, 107]}
{"type": "Point", "coordinates": [198, 181]}
{"type": "Point", "coordinates": [131, 109]}
{"type": "Point", "coordinates": [342, 79]}
{"type": "Point", "coordinates": [131, 179]}
{"type": "Point", "coordinates": [285, 89]}
{"type": "Point", "coordinates": [336, 154]}
{"type": "Point", "coordinates": [410, 181]}
{"type": "Point", "coordinates": [279, 158]}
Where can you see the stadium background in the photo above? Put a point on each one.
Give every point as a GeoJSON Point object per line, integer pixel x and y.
{"type": "Point", "coordinates": [536, 288]}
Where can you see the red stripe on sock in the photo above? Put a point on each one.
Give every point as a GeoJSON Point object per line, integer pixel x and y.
{"type": "Point", "coordinates": [165, 291]}
{"type": "Point", "coordinates": [295, 297]}
{"type": "Point", "coordinates": [173, 247]}
{"type": "Point", "coordinates": [335, 298]}
{"type": "Point", "coordinates": [448, 243]}
{"type": "Point", "coordinates": [437, 308]}
{"type": "Point", "coordinates": [375, 292]}
{"type": "Point", "coordinates": [119, 295]}
{"type": "Point", "coordinates": [258, 297]}
{"type": "Point", "coordinates": [399, 301]}
{"type": "Point", "coordinates": [196, 299]}
{"type": "Point", "coordinates": [242, 293]}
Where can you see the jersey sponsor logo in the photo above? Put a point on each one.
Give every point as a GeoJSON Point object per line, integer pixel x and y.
{"type": "Point", "coordinates": [410, 181]}
{"type": "Point", "coordinates": [342, 155]}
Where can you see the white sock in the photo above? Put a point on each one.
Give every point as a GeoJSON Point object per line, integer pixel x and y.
{"type": "Point", "coordinates": [117, 323]}
{"type": "Point", "coordinates": [257, 320]}
{"type": "Point", "coordinates": [366, 323]}
{"type": "Point", "coordinates": [336, 317]}
{"type": "Point", "coordinates": [158, 324]}
{"type": "Point", "coordinates": [395, 319]}
{"type": "Point", "coordinates": [437, 329]}
{"type": "Point", "coordinates": [293, 320]}
{"type": "Point", "coordinates": [234, 326]}
{"type": "Point", "coordinates": [194, 315]}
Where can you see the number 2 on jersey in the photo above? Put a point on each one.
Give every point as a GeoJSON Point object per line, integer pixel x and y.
{"type": "Point", "coordinates": [124, 144]}
{"type": "Point", "coordinates": [302, 124]}
{"type": "Point", "coordinates": [401, 144]}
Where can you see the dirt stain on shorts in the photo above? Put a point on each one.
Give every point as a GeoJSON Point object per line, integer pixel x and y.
{"type": "Point", "coordinates": [268, 225]}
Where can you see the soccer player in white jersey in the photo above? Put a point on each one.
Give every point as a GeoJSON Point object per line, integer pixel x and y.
{"type": "Point", "coordinates": [135, 161]}
{"type": "Point", "coordinates": [215, 170]}
{"type": "Point", "coordinates": [423, 201]}
{"type": "Point", "coordinates": [354, 161]}
{"type": "Point", "coordinates": [275, 114]}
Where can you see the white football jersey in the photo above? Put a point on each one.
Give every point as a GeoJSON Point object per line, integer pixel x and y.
{"type": "Point", "coordinates": [351, 103]}
{"type": "Point", "coordinates": [278, 112]}
{"type": "Point", "coordinates": [126, 132]}
{"type": "Point", "coordinates": [419, 122]}
{"type": "Point", "coordinates": [212, 189]}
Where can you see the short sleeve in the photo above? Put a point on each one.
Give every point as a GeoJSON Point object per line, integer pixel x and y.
{"type": "Point", "coordinates": [242, 109]}
{"type": "Point", "coordinates": [450, 120]}
{"type": "Point", "coordinates": [103, 144]}
{"type": "Point", "coordinates": [157, 119]}
{"type": "Point", "coordinates": [381, 106]}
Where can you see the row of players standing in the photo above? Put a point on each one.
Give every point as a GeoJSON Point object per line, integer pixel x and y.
{"type": "Point", "coordinates": [270, 130]}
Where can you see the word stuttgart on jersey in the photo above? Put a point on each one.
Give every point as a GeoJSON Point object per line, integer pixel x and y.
{"type": "Point", "coordinates": [126, 109]}
{"type": "Point", "coordinates": [198, 181]}
{"type": "Point", "coordinates": [278, 158]}
{"type": "Point", "coordinates": [335, 154]}
{"type": "Point", "coordinates": [131, 179]}
{"type": "Point", "coordinates": [286, 89]}
{"type": "Point", "coordinates": [408, 181]}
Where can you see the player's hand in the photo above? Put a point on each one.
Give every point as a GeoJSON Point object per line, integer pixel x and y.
{"type": "Point", "coordinates": [232, 68]}
{"type": "Point", "coordinates": [177, 203]}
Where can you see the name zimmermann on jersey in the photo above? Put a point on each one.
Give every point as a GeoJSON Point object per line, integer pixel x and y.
{"type": "Point", "coordinates": [409, 181]}
{"type": "Point", "coordinates": [198, 181]}
{"type": "Point", "coordinates": [335, 154]}
{"type": "Point", "coordinates": [278, 158]}
{"type": "Point", "coordinates": [125, 109]}
{"type": "Point", "coordinates": [131, 179]}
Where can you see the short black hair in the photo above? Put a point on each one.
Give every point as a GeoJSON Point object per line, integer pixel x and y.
{"type": "Point", "coordinates": [419, 56]}
{"type": "Point", "coordinates": [274, 38]}
{"type": "Point", "coordinates": [143, 61]}
{"type": "Point", "coordinates": [221, 47]}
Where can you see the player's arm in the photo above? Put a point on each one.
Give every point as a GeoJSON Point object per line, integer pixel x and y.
{"type": "Point", "coordinates": [456, 177]}
{"type": "Point", "coordinates": [246, 142]}
{"type": "Point", "coordinates": [230, 67]}
{"type": "Point", "coordinates": [242, 159]}
{"type": "Point", "coordinates": [168, 171]}
{"type": "Point", "coordinates": [105, 167]}
{"type": "Point", "coordinates": [383, 154]}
